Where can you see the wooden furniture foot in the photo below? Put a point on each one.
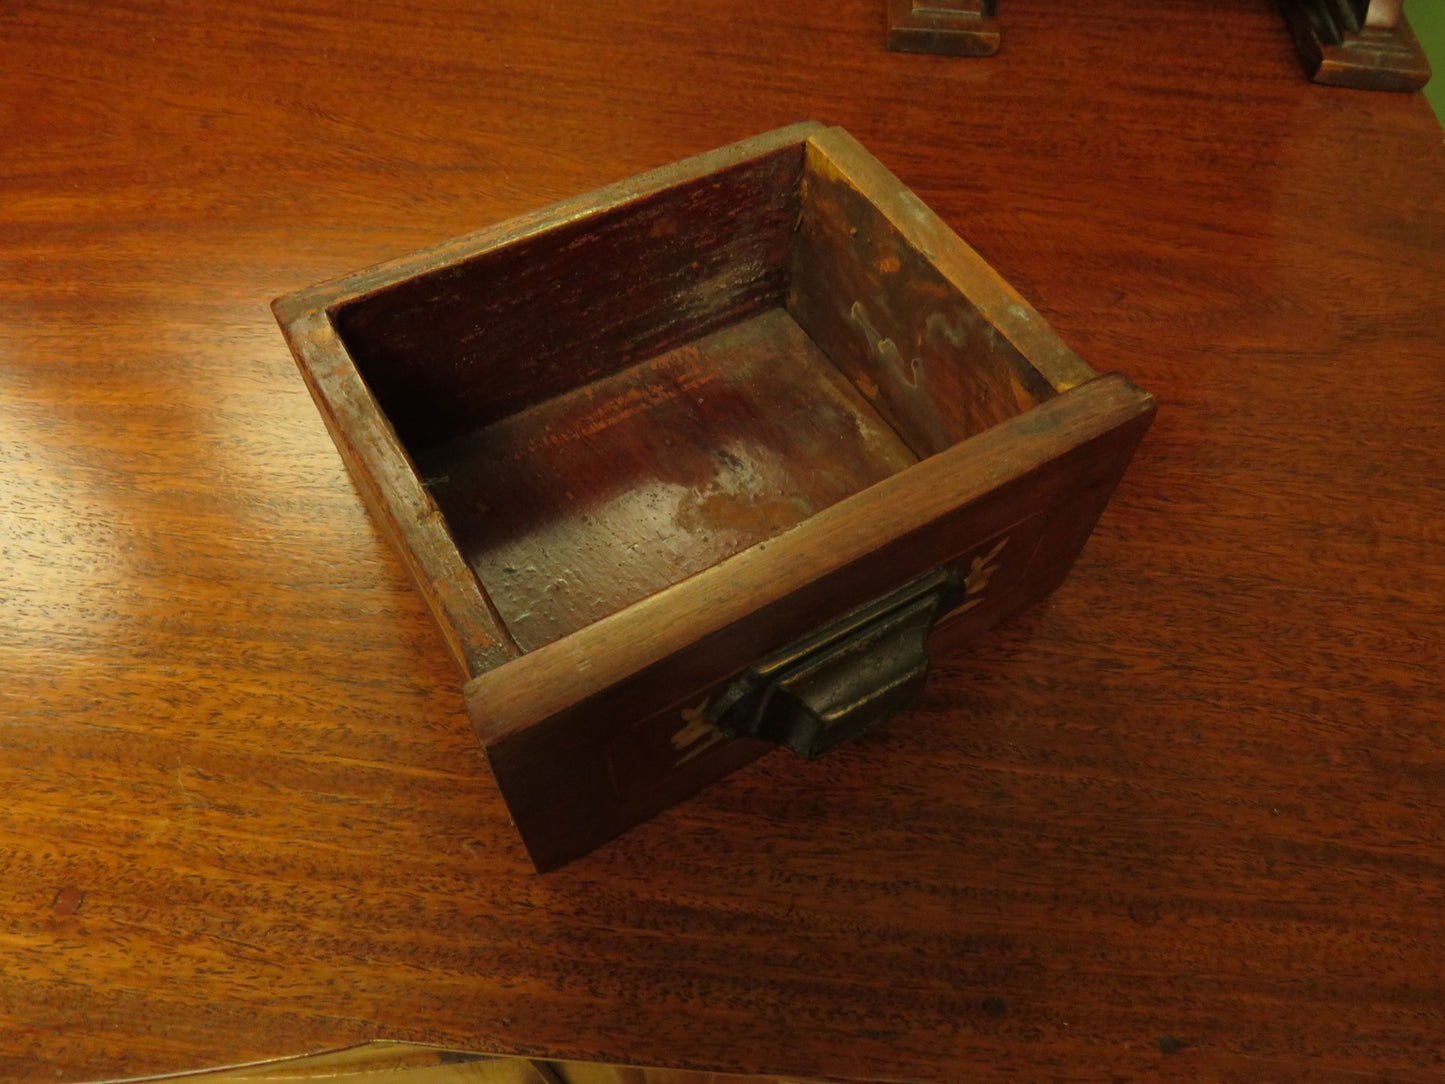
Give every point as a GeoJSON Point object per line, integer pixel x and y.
{"type": "Point", "coordinates": [948, 27]}
{"type": "Point", "coordinates": [1364, 44]}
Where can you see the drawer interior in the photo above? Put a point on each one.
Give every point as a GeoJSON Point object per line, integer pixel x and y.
{"type": "Point", "coordinates": [606, 494]}
{"type": "Point", "coordinates": [605, 408]}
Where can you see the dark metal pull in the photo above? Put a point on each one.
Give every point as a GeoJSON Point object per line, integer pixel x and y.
{"type": "Point", "coordinates": [846, 678]}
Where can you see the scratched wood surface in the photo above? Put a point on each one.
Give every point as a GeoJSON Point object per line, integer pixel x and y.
{"type": "Point", "coordinates": [1183, 822]}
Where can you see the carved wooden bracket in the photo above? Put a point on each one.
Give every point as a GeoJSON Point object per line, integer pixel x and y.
{"type": "Point", "coordinates": [1365, 44]}
{"type": "Point", "coordinates": [949, 27]}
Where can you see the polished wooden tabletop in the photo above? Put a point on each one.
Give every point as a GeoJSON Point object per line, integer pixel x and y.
{"type": "Point", "coordinates": [1184, 821]}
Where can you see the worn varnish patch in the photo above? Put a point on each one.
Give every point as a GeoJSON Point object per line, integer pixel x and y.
{"type": "Point", "coordinates": [600, 497]}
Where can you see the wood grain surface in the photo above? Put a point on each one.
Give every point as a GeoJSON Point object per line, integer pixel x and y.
{"type": "Point", "coordinates": [1182, 822]}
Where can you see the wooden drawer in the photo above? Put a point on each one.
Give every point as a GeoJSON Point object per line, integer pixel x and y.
{"type": "Point", "coordinates": [639, 448]}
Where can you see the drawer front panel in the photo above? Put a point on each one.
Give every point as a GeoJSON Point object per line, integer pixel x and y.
{"type": "Point", "coordinates": [590, 770]}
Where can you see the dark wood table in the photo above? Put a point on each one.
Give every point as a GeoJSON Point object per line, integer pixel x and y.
{"type": "Point", "coordinates": [1185, 821]}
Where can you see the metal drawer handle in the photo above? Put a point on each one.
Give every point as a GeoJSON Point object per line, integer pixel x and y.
{"type": "Point", "coordinates": [843, 680]}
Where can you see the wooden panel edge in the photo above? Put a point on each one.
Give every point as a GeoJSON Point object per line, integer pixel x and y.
{"type": "Point", "coordinates": [407, 516]}
{"type": "Point", "coordinates": [378, 1060]}
{"type": "Point", "coordinates": [559, 675]}
{"type": "Point", "coordinates": [833, 149]}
